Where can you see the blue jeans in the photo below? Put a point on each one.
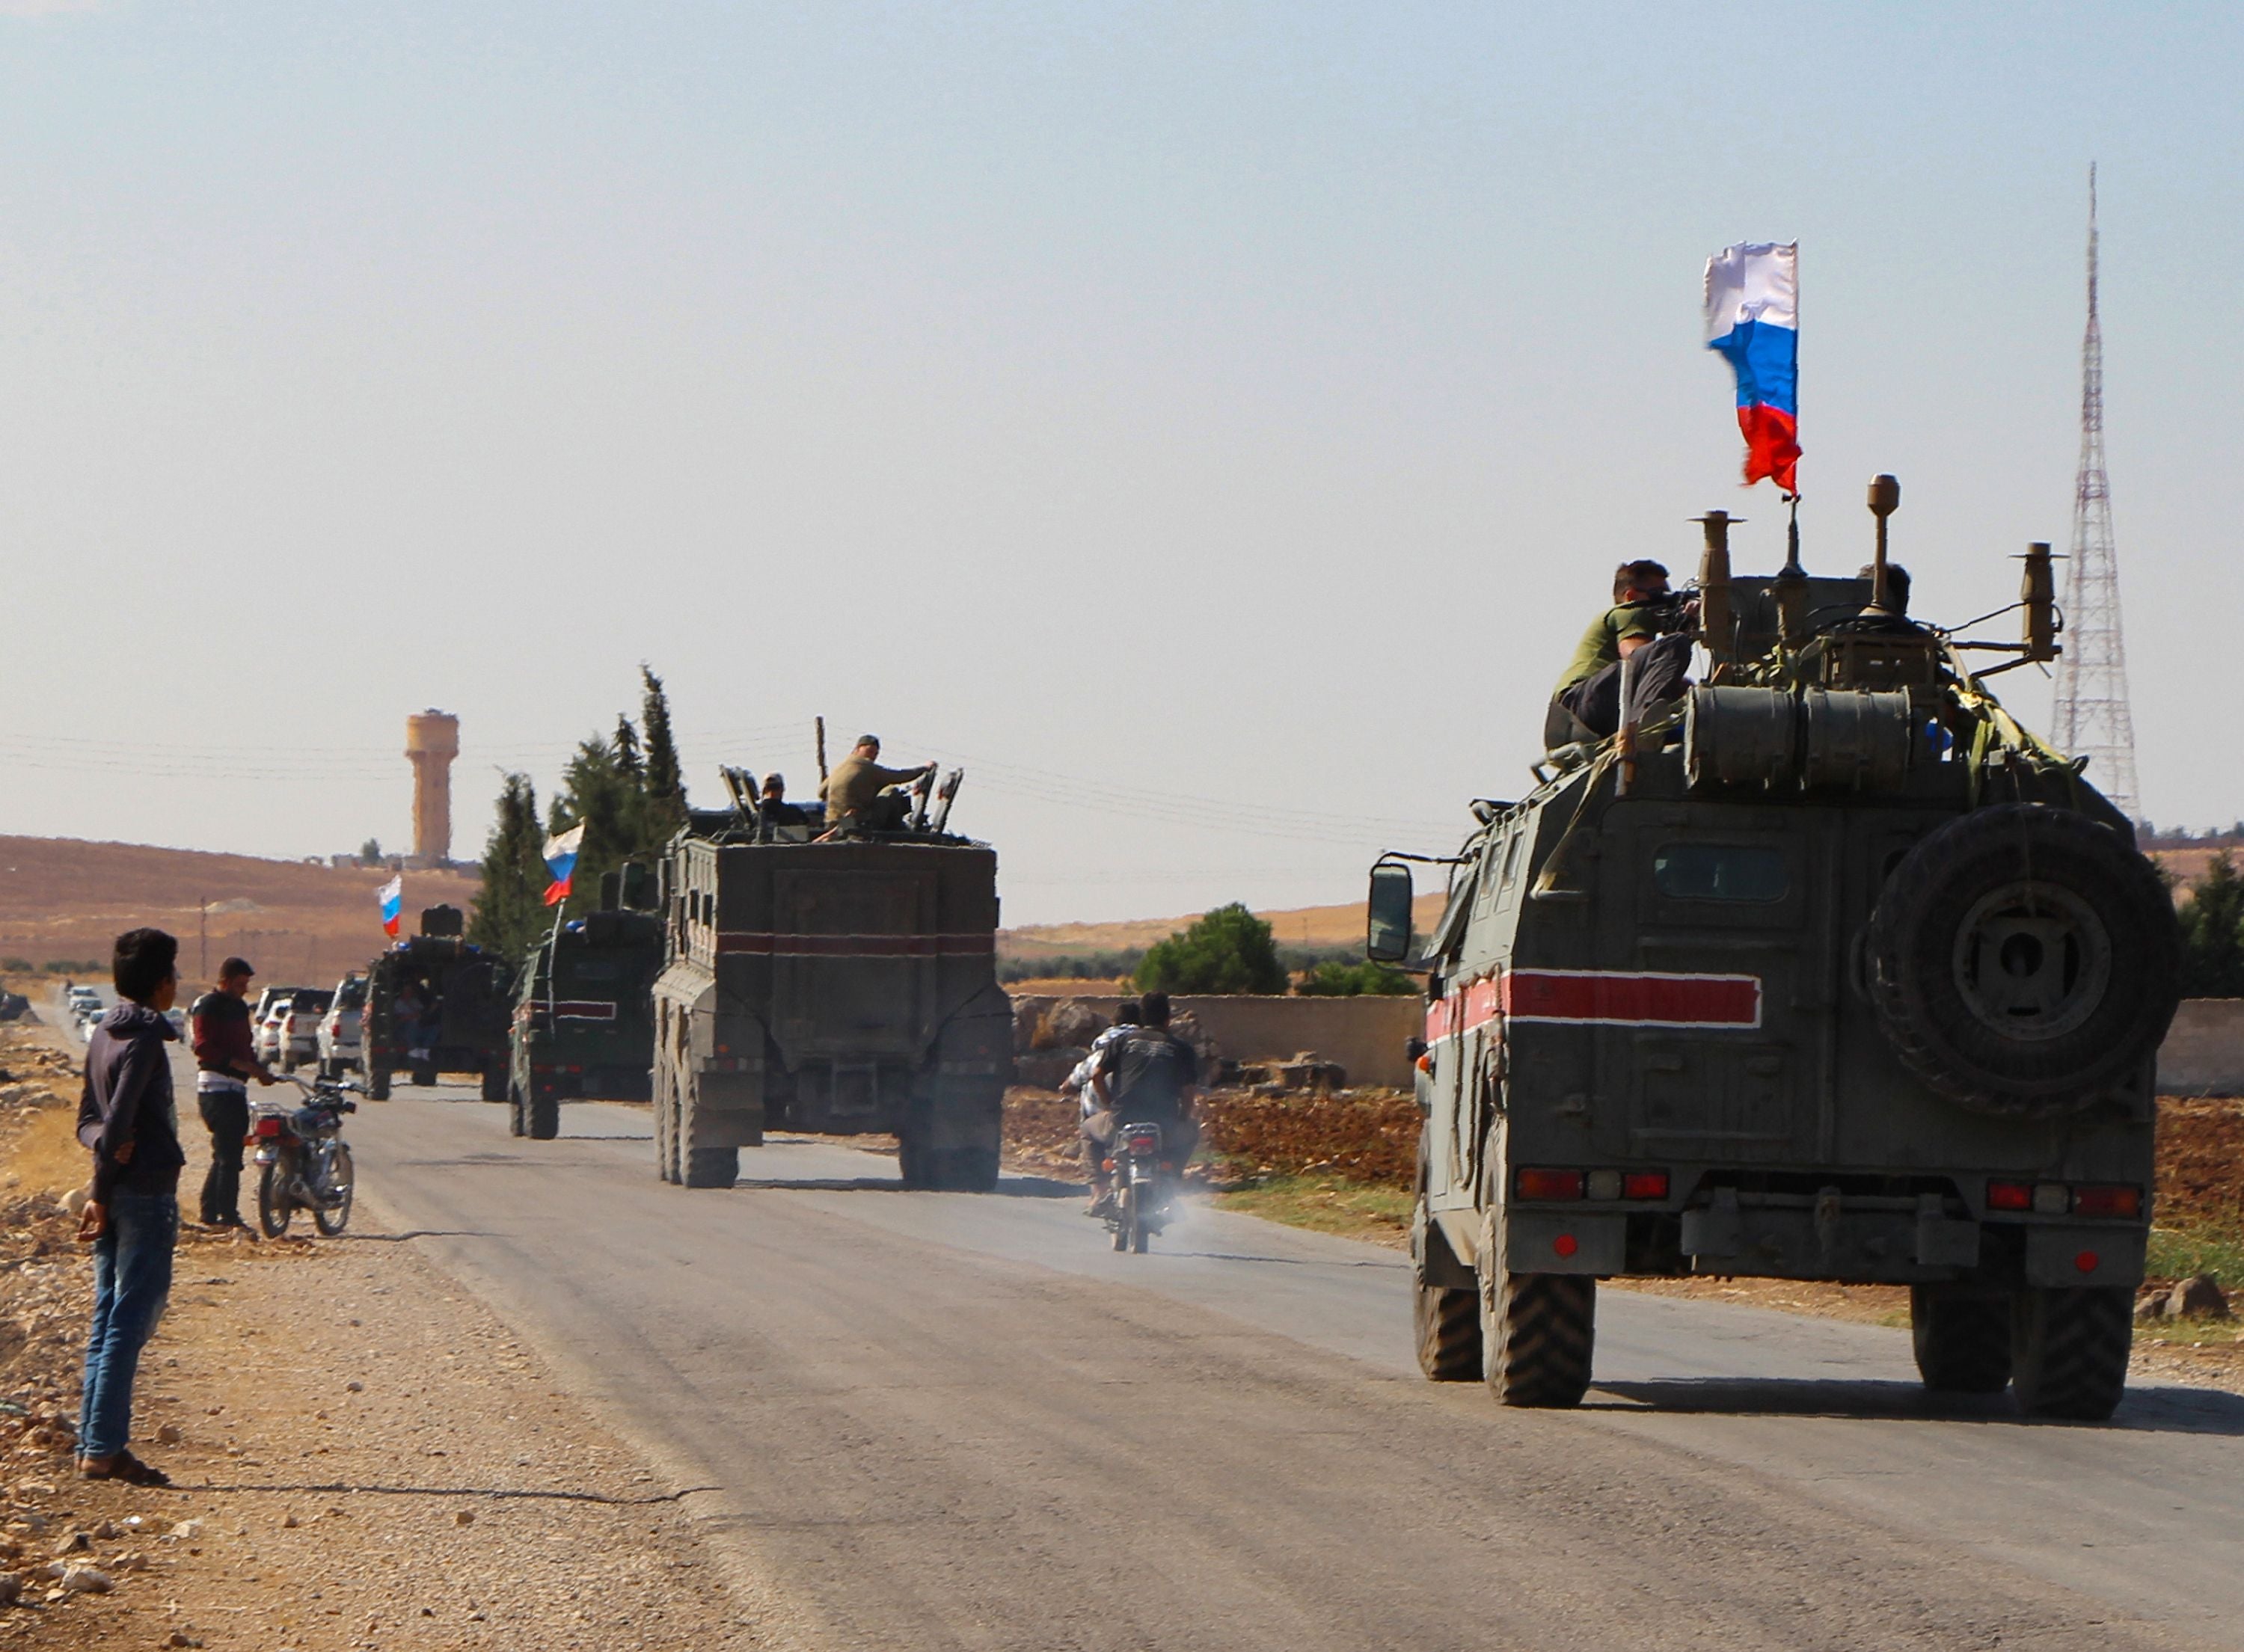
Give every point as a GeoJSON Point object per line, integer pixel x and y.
{"type": "Point", "coordinates": [131, 1281]}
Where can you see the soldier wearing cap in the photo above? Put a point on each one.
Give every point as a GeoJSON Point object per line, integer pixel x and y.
{"type": "Point", "coordinates": [225, 1060]}
{"type": "Point", "coordinates": [853, 791]}
{"type": "Point", "coordinates": [773, 807]}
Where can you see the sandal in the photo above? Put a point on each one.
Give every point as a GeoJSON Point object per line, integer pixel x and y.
{"type": "Point", "coordinates": [127, 1468]}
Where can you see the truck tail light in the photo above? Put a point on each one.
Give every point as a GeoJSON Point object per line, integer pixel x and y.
{"type": "Point", "coordinates": [1548, 1184]}
{"type": "Point", "coordinates": [1644, 1185]}
{"type": "Point", "coordinates": [2010, 1196]}
{"type": "Point", "coordinates": [2107, 1201]}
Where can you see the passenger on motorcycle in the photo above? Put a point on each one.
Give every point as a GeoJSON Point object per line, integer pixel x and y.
{"type": "Point", "coordinates": [1147, 1075]}
{"type": "Point", "coordinates": [1126, 1017]}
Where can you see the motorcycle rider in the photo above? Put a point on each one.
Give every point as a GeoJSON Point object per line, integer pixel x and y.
{"type": "Point", "coordinates": [224, 1064]}
{"type": "Point", "coordinates": [1098, 1136]}
{"type": "Point", "coordinates": [1150, 1076]}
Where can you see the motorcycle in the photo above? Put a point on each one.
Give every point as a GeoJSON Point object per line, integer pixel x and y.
{"type": "Point", "coordinates": [303, 1162]}
{"type": "Point", "coordinates": [1145, 1187]}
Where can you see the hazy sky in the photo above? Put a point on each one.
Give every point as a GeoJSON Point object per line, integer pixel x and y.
{"type": "Point", "coordinates": [1212, 424]}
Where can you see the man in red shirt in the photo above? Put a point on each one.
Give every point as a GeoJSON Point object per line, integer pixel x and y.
{"type": "Point", "coordinates": [225, 1061]}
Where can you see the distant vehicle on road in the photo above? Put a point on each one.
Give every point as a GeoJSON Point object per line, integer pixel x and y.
{"type": "Point", "coordinates": [338, 1038]}
{"type": "Point", "coordinates": [583, 1027]}
{"type": "Point", "coordinates": [1835, 973]}
{"type": "Point", "coordinates": [436, 994]}
{"type": "Point", "coordinates": [847, 988]}
{"type": "Point", "coordinates": [298, 1039]}
{"type": "Point", "coordinates": [265, 1036]}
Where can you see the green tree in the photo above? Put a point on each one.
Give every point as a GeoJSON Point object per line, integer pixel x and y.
{"type": "Point", "coordinates": [664, 783]}
{"type": "Point", "coordinates": [2213, 933]}
{"type": "Point", "coordinates": [369, 852]}
{"type": "Point", "coordinates": [601, 793]}
{"type": "Point", "coordinates": [509, 914]}
{"type": "Point", "coordinates": [1229, 950]}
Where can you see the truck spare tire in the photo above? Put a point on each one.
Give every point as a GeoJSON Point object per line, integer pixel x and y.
{"type": "Point", "coordinates": [2025, 960]}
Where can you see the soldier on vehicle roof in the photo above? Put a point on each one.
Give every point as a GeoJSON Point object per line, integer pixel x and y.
{"type": "Point", "coordinates": [774, 807]}
{"type": "Point", "coordinates": [854, 792]}
{"type": "Point", "coordinates": [1586, 704]}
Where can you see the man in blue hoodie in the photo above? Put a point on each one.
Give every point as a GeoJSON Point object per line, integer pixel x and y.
{"type": "Point", "coordinates": [128, 1119]}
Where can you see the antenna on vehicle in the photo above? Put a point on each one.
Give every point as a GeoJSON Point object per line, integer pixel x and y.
{"type": "Point", "coordinates": [821, 723]}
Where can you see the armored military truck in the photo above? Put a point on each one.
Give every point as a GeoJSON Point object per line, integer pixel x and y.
{"type": "Point", "coordinates": [439, 994]}
{"type": "Point", "coordinates": [1829, 971]}
{"type": "Point", "coordinates": [844, 986]}
{"type": "Point", "coordinates": [584, 1025]}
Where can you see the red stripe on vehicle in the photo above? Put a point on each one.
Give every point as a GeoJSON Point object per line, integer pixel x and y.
{"type": "Point", "coordinates": [1462, 1010]}
{"type": "Point", "coordinates": [768, 943]}
{"type": "Point", "coordinates": [1612, 998]}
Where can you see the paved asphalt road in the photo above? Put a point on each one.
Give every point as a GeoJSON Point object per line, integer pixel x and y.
{"type": "Point", "coordinates": [932, 1420]}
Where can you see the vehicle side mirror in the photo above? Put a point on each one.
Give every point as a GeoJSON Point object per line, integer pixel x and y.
{"type": "Point", "coordinates": [1387, 916]}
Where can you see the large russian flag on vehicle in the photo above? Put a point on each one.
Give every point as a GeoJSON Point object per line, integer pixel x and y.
{"type": "Point", "coordinates": [1753, 317]}
{"type": "Point", "coordinates": [392, 896]}
{"type": "Point", "coordinates": [561, 861]}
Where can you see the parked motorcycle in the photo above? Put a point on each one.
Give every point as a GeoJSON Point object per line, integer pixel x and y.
{"type": "Point", "coordinates": [303, 1162]}
{"type": "Point", "coordinates": [1145, 1187]}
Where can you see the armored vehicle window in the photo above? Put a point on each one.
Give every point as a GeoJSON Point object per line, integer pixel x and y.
{"type": "Point", "coordinates": [1719, 872]}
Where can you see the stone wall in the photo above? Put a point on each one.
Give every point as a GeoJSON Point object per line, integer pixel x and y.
{"type": "Point", "coordinates": [1365, 1035]}
{"type": "Point", "coordinates": [2204, 1051]}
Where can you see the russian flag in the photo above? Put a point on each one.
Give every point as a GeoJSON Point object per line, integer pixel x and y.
{"type": "Point", "coordinates": [561, 861]}
{"type": "Point", "coordinates": [392, 896]}
{"type": "Point", "coordinates": [1753, 317]}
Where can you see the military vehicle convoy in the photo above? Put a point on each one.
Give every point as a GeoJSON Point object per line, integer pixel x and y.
{"type": "Point", "coordinates": [584, 1025]}
{"type": "Point", "coordinates": [436, 993]}
{"type": "Point", "coordinates": [845, 987]}
{"type": "Point", "coordinates": [1829, 971]}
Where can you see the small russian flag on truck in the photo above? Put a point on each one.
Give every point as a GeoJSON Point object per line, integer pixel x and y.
{"type": "Point", "coordinates": [561, 860]}
{"type": "Point", "coordinates": [392, 897]}
{"type": "Point", "coordinates": [1753, 318]}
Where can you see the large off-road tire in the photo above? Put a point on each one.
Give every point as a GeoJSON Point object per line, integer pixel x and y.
{"type": "Point", "coordinates": [2069, 1350]}
{"type": "Point", "coordinates": [1446, 1317]}
{"type": "Point", "coordinates": [1537, 1330]}
{"type": "Point", "coordinates": [515, 1123]}
{"type": "Point", "coordinates": [2025, 960]}
{"type": "Point", "coordinates": [273, 1203]}
{"type": "Point", "coordinates": [712, 1166]}
{"type": "Point", "coordinates": [377, 1085]}
{"type": "Point", "coordinates": [495, 1080]}
{"type": "Point", "coordinates": [545, 1118]}
{"type": "Point", "coordinates": [342, 1180]}
{"type": "Point", "coordinates": [1448, 1323]}
{"type": "Point", "coordinates": [424, 1077]}
{"type": "Point", "coordinates": [967, 1169]}
{"type": "Point", "coordinates": [1963, 1338]}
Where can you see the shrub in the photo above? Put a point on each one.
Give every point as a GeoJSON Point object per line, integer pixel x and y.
{"type": "Point", "coordinates": [2213, 933]}
{"type": "Point", "coordinates": [1333, 980]}
{"type": "Point", "coordinates": [1229, 950]}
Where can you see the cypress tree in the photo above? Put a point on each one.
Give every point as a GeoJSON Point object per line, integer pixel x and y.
{"type": "Point", "coordinates": [663, 783]}
{"type": "Point", "coordinates": [509, 914]}
{"type": "Point", "coordinates": [2213, 933]}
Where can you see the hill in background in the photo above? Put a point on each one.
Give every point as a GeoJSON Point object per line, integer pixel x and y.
{"type": "Point", "coordinates": [298, 922]}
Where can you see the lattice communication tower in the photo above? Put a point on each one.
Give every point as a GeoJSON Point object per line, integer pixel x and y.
{"type": "Point", "coordinates": [2090, 708]}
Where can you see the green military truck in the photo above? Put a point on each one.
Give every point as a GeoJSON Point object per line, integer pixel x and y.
{"type": "Point", "coordinates": [1829, 971]}
{"type": "Point", "coordinates": [583, 1027]}
{"type": "Point", "coordinates": [436, 1004]}
{"type": "Point", "coordinates": [842, 987]}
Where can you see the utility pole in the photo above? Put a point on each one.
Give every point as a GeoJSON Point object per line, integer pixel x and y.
{"type": "Point", "coordinates": [2091, 718]}
{"type": "Point", "coordinates": [202, 939]}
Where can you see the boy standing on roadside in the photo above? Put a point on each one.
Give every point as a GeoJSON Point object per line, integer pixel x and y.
{"type": "Point", "coordinates": [129, 1120]}
{"type": "Point", "coordinates": [225, 1060]}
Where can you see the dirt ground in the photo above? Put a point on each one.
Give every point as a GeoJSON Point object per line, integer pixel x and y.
{"type": "Point", "coordinates": [363, 1455]}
